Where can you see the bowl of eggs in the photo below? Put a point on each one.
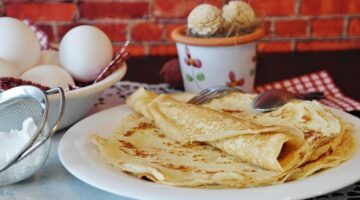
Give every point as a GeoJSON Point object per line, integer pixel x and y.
{"type": "Point", "coordinates": [83, 55]}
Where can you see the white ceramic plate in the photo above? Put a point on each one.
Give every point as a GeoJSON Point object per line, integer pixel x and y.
{"type": "Point", "coordinates": [80, 157]}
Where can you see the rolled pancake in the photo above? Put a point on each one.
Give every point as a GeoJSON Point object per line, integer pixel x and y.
{"type": "Point", "coordinates": [337, 153]}
{"type": "Point", "coordinates": [308, 116]}
{"type": "Point", "coordinates": [272, 147]}
{"type": "Point", "coordinates": [320, 126]}
{"type": "Point", "coordinates": [277, 151]}
{"type": "Point", "coordinates": [139, 148]}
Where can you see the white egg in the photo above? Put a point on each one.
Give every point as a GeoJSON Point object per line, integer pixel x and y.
{"type": "Point", "coordinates": [18, 43]}
{"type": "Point", "coordinates": [84, 51]}
{"type": "Point", "coordinates": [49, 57]}
{"type": "Point", "coordinates": [49, 75]}
{"type": "Point", "coordinates": [7, 69]}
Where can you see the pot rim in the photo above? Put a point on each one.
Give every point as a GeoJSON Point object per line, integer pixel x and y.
{"type": "Point", "coordinates": [178, 35]}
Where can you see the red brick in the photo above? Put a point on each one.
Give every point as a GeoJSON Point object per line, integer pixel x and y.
{"type": "Point", "coordinates": [328, 7]}
{"type": "Point", "coordinates": [37, 1]}
{"type": "Point", "coordinates": [291, 28]}
{"type": "Point", "coordinates": [273, 8]}
{"type": "Point", "coordinates": [126, 10]}
{"type": "Point", "coordinates": [267, 27]}
{"type": "Point", "coordinates": [163, 50]}
{"type": "Point", "coordinates": [354, 7]}
{"type": "Point", "coordinates": [328, 45]}
{"type": "Point", "coordinates": [42, 11]}
{"type": "Point", "coordinates": [170, 9]}
{"type": "Point", "coordinates": [146, 32]}
{"type": "Point", "coordinates": [136, 50]}
{"type": "Point", "coordinates": [354, 27]}
{"type": "Point", "coordinates": [327, 27]}
{"type": "Point", "coordinates": [116, 32]}
{"type": "Point", "coordinates": [169, 28]}
{"type": "Point", "coordinates": [274, 47]}
{"type": "Point", "coordinates": [323, 7]}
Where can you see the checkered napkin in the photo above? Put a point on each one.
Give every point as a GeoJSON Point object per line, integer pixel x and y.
{"type": "Point", "coordinates": [316, 82]}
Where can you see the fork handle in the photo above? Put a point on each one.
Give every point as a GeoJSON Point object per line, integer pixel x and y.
{"type": "Point", "coordinates": [311, 96]}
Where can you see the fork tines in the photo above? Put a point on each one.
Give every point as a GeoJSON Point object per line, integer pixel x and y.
{"type": "Point", "coordinates": [210, 93]}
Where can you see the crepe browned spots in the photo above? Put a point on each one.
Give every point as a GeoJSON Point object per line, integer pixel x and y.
{"type": "Point", "coordinates": [224, 144]}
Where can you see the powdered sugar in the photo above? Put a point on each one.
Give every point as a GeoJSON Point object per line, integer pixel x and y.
{"type": "Point", "coordinates": [11, 142]}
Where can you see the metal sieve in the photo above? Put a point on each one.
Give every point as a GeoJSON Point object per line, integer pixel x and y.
{"type": "Point", "coordinates": [16, 105]}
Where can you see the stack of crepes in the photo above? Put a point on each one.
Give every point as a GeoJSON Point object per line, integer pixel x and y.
{"type": "Point", "coordinates": [224, 143]}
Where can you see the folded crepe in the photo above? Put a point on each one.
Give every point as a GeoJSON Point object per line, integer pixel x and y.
{"type": "Point", "coordinates": [178, 144]}
{"type": "Point", "coordinates": [308, 116]}
{"type": "Point", "coordinates": [319, 125]}
{"type": "Point", "coordinates": [272, 147]}
{"type": "Point", "coordinates": [141, 149]}
{"type": "Point", "coordinates": [321, 128]}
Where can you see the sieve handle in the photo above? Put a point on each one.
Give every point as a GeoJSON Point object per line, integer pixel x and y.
{"type": "Point", "coordinates": [60, 91]}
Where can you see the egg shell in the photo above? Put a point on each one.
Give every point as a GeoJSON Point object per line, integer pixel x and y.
{"type": "Point", "coordinates": [49, 57]}
{"type": "Point", "coordinates": [84, 52]}
{"type": "Point", "coordinates": [19, 44]}
{"type": "Point", "coordinates": [49, 75]}
{"type": "Point", "coordinates": [7, 69]}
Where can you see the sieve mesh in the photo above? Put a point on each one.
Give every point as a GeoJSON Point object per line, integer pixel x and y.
{"type": "Point", "coordinates": [15, 112]}
{"type": "Point", "coordinates": [31, 102]}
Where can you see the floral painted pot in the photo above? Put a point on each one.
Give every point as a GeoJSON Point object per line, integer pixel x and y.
{"type": "Point", "coordinates": [207, 62]}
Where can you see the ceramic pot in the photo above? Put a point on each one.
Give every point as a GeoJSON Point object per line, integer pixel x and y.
{"type": "Point", "coordinates": [207, 62]}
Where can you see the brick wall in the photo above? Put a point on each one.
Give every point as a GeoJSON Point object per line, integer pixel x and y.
{"type": "Point", "coordinates": [292, 25]}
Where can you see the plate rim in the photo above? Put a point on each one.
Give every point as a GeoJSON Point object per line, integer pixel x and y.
{"type": "Point", "coordinates": [153, 188]}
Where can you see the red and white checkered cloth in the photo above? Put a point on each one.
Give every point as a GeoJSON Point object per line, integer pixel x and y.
{"type": "Point", "coordinates": [315, 82]}
{"type": "Point", "coordinates": [41, 35]}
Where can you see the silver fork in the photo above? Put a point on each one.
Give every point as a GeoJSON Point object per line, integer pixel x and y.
{"type": "Point", "coordinates": [211, 93]}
